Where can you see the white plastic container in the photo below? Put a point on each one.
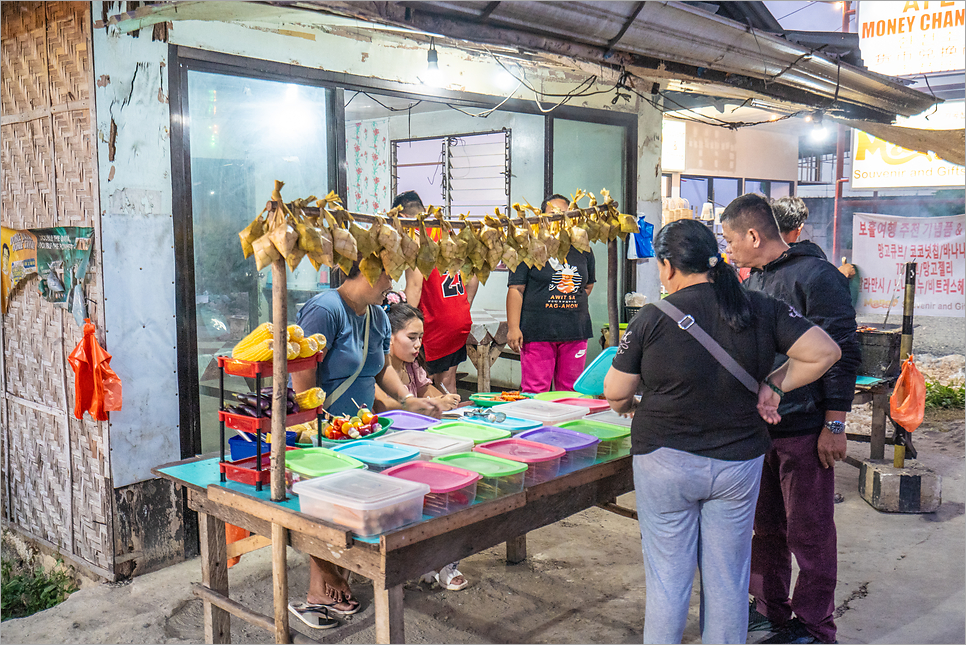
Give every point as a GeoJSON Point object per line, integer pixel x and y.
{"type": "Point", "coordinates": [610, 417]}
{"type": "Point", "coordinates": [429, 445]}
{"type": "Point", "coordinates": [546, 412]}
{"type": "Point", "coordinates": [367, 503]}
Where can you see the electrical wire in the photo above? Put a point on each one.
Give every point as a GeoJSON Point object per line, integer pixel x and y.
{"type": "Point", "coordinates": [797, 10]}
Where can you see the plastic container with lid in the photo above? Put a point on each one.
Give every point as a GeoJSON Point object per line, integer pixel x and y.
{"type": "Point", "coordinates": [581, 448]}
{"type": "Point", "coordinates": [543, 461]}
{"type": "Point", "coordinates": [240, 448]}
{"type": "Point", "coordinates": [367, 503]}
{"type": "Point", "coordinates": [450, 488]}
{"type": "Point", "coordinates": [378, 456]}
{"type": "Point", "coordinates": [610, 417]}
{"type": "Point", "coordinates": [498, 476]}
{"type": "Point", "coordinates": [592, 405]}
{"type": "Point", "coordinates": [547, 413]}
{"type": "Point", "coordinates": [428, 444]}
{"type": "Point", "coordinates": [308, 463]}
{"type": "Point", "coordinates": [405, 420]}
{"type": "Point", "coordinates": [615, 441]}
{"type": "Point", "coordinates": [475, 432]}
{"type": "Point", "coordinates": [513, 424]}
{"type": "Point", "coordinates": [558, 394]}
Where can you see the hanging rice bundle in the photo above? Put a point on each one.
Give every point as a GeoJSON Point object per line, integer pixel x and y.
{"type": "Point", "coordinates": [365, 239]}
{"type": "Point", "coordinates": [579, 237]}
{"type": "Point", "coordinates": [408, 247]}
{"type": "Point", "coordinates": [492, 237]}
{"type": "Point", "coordinates": [428, 254]}
{"type": "Point", "coordinates": [549, 240]}
{"type": "Point", "coordinates": [563, 239]}
{"type": "Point", "coordinates": [371, 267]}
{"type": "Point", "coordinates": [251, 233]}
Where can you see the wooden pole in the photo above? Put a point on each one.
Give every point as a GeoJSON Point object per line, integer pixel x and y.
{"type": "Point", "coordinates": [612, 297]}
{"type": "Point", "coordinates": [905, 348]}
{"type": "Point", "coordinates": [279, 377]}
{"type": "Point", "coordinates": [279, 408]}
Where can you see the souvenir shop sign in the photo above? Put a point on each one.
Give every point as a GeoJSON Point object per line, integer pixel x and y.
{"type": "Point", "coordinates": [58, 255]}
{"type": "Point", "coordinates": [881, 246]}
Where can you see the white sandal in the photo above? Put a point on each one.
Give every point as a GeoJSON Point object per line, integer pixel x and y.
{"type": "Point", "coordinates": [446, 576]}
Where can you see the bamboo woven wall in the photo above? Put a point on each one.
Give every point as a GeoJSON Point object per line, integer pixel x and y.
{"type": "Point", "coordinates": [56, 469]}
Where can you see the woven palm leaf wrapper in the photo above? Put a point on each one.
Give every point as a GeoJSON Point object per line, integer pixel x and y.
{"type": "Point", "coordinates": [252, 232]}
{"type": "Point", "coordinates": [550, 241]}
{"type": "Point", "coordinates": [365, 238]}
{"type": "Point", "coordinates": [343, 244]}
{"type": "Point", "coordinates": [265, 252]}
{"type": "Point", "coordinates": [511, 251]}
{"type": "Point", "coordinates": [371, 267]}
{"type": "Point", "coordinates": [408, 247]}
{"type": "Point", "coordinates": [448, 248]}
{"type": "Point", "coordinates": [563, 239]}
{"type": "Point", "coordinates": [579, 237]}
{"type": "Point", "coordinates": [476, 250]}
{"type": "Point", "coordinates": [428, 250]}
{"type": "Point", "coordinates": [491, 235]}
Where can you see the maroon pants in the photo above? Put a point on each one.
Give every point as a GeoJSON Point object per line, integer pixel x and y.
{"type": "Point", "coordinates": [795, 515]}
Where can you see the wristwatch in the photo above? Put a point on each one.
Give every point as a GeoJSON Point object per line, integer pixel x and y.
{"type": "Point", "coordinates": [835, 427]}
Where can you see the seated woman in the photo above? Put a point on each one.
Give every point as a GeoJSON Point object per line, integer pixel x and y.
{"type": "Point", "coordinates": [406, 323]}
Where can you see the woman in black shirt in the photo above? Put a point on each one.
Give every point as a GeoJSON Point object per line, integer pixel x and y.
{"type": "Point", "coordinates": [698, 434]}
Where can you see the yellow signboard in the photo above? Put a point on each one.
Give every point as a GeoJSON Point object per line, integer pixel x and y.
{"type": "Point", "coordinates": [879, 164]}
{"type": "Point", "coordinates": [909, 38]}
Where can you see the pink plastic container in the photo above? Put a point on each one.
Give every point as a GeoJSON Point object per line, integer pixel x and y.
{"type": "Point", "coordinates": [542, 460]}
{"type": "Point", "coordinates": [450, 488]}
{"type": "Point", "coordinates": [592, 405]}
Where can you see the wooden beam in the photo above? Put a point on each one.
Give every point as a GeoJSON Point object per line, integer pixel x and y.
{"type": "Point", "coordinates": [247, 545]}
{"type": "Point", "coordinates": [516, 549]}
{"type": "Point", "coordinates": [280, 582]}
{"type": "Point", "coordinates": [273, 513]}
{"type": "Point", "coordinates": [279, 377]}
{"type": "Point", "coordinates": [613, 307]}
{"type": "Point", "coordinates": [389, 615]}
{"type": "Point", "coordinates": [361, 558]}
{"type": "Point", "coordinates": [237, 609]}
{"type": "Point", "coordinates": [214, 576]}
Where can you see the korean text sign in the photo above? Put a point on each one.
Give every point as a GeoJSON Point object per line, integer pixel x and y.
{"type": "Point", "coordinates": [881, 246]}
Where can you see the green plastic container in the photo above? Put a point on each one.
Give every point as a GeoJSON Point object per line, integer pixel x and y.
{"type": "Point", "coordinates": [477, 432]}
{"type": "Point", "coordinates": [615, 441]}
{"type": "Point", "coordinates": [489, 399]}
{"type": "Point", "coordinates": [499, 476]}
{"type": "Point", "coordinates": [316, 462]}
{"type": "Point", "coordinates": [560, 394]}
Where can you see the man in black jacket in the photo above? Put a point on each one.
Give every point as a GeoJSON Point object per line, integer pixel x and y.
{"type": "Point", "coordinates": [795, 512]}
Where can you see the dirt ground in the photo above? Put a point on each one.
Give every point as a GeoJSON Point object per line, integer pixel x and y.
{"type": "Point", "coordinates": [901, 580]}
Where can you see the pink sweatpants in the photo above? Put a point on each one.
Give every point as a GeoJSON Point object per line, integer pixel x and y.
{"type": "Point", "coordinates": [551, 366]}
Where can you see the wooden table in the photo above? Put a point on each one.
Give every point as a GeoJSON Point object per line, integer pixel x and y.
{"type": "Point", "coordinates": [485, 343]}
{"type": "Point", "coordinates": [878, 392]}
{"type": "Point", "coordinates": [389, 561]}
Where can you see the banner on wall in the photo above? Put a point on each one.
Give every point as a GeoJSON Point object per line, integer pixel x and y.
{"type": "Point", "coordinates": [63, 253]}
{"type": "Point", "coordinates": [881, 246]}
{"type": "Point", "coordinates": [18, 259]}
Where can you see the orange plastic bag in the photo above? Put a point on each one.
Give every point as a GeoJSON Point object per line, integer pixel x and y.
{"type": "Point", "coordinates": [233, 534]}
{"type": "Point", "coordinates": [907, 405]}
{"type": "Point", "coordinates": [97, 388]}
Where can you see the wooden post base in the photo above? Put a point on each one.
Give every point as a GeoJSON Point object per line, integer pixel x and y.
{"type": "Point", "coordinates": [516, 549]}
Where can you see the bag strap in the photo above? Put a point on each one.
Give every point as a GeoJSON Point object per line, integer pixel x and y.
{"type": "Point", "coordinates": [339, 391]}
{"type": "Point", "coordinates": [686, 322]}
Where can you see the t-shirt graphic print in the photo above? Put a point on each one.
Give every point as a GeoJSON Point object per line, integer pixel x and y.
{"type": "Point", "coordinates": [555, 298]}
{"type": "Point", "coordinates": [565, 278]}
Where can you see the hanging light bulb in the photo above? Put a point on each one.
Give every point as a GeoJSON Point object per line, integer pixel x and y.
{"type": "Point", "coordinates": [819, 131]}
{"type": "Point", "coordinates": [433, 76]}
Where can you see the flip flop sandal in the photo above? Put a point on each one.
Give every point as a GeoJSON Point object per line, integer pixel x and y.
{"type": "Point", "coordinates": [355, 606]}
{"type": "Point", "coordinates": [315, 616]}
{"type": "Point", "coordinates": [446, 576]}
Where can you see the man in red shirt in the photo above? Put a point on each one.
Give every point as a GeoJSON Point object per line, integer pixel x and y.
{"type": "Point", "coordinates": [445, 302]}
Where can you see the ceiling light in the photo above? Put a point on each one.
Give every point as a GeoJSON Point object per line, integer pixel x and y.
{"type": "Point", "coordinates": [433, 76]}
{"type": "Point", "coordinates": [819, 133]}
{"type": "Point", "coordinates": [505, 80]}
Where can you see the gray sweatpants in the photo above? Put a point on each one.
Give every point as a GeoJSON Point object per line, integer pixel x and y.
{"type": "Point", "coordinates": [696, 512]}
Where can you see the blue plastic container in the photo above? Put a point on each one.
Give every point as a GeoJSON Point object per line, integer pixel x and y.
{"type": "Point", "coordinates": [241, 449]}
{"type": "Point", "coordinates": [378, 456]}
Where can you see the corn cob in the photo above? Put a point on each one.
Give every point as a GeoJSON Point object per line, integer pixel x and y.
{"type": "Point", "coordinates": [293, 350]}
{"type": "Point", "coordinates": [295, 333]}
{"type": "Point", "coordinates": [260, 333]}
{"type": "Point", "coordinates": [308, 347]}
{"type": "Point", "coordinates": [310, 399]}
{"type": "Point", "coordinates": [320, 341]}
{"type": "Point", "coordinates": [260, 351]}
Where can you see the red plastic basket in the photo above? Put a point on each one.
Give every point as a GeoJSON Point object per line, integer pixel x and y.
{"type": "Point", "coordinates": [252, 424]}
{"type": "Point", "coordinates": [243, 471]}
{"type": "Point", "coordinates": [251, 369]}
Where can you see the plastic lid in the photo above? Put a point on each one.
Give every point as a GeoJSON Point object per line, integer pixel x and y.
{"type": "Point", "coordinates": [513, 424]}
{"type": "Point", "coordinates": [592, 405]}
{"type": "Point", "coordinates": [521, 450]}
{"type": "Point", "coordinates": [560, 437]}
{"type": "Point", "coordinates": [485, 465]}
{"type": "Point", "coordinates": [610, 417]}
{"type": "Point", "coordinates": [603, 431]}
{"type": "Point", "coordinates": [378, 453]}
{"type": "Point", "coordinates": [591, 381]}
{"type": "Point", "coordinates": [559, 394]}
{"type": "Point", "coordinates": [316, 462]}
{"type": "Point", "coordinates": [441, 478]}
{"type": "Point", "coordinates": [546, 412]}
{"type": "Point", "coordinates": [405, 420]}
{"type": "Point", "coordinates": [476, 432]}
{"type": "Point", "coordinates": [360, 489]}
{"type": "Point", "coordinates": [429, 444]}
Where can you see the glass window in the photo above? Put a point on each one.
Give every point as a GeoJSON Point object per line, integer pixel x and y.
{"type": "Point", "coordinates": [696, 190]}
{"type": "Point", "coordinates": [245, 133]}
{"type": "Point", "coordinates": [780, 189]}
{"type": "Point", "coordinates": [724, 190]}
{"type": "Point", "coordinates": [755, 186]}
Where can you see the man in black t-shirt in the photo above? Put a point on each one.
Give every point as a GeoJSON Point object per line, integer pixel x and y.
{"type": "Point", "coordinates": [795, 513]}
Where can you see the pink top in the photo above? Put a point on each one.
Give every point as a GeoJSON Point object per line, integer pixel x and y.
{"type": "Point", "coordinates": [418, 378]}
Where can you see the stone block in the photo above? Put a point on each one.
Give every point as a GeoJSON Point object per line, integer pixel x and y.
{"type": "Point", "coordinates": [912, 489]}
